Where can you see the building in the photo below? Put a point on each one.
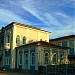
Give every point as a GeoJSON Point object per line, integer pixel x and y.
{"type": "Point", "coordinates": [26, 47]}
{"type": "Point", "coordinates": [67, 41]}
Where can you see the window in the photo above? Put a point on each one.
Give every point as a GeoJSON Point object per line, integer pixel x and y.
{"type": "Point", "coordinates": [46, 58]}
{"type": "Point", "coordinates": [54, 58]}
{"type": "Point", "coordinates": [26, 58]}
{"type": "Point", "coordinates": [7, 53]}
{"type": "Point", "coordinates": [61, 58]}
{"type": "Point", "coordinates": [7, 38]}
{"type": "Point", "coordinates": [24, 40]}
{"type": "Point", "coordinates": [32, 58]}
{"type": "Point", "coordinates": [71, 51]}
{"type": "Point", "coordinates": [7, 60]}
{"type": "Point", "coordinates": [64, 43]}
{"type": "Point", "coordinates": [71, 43]}
{"type": "Point", "coordinates": [18, 39]}
{"type": "Point", "coordinates": [20, 57]}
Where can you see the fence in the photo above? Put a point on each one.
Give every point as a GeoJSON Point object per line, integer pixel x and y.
{"type": "Point", "coordinates": [65, 69]}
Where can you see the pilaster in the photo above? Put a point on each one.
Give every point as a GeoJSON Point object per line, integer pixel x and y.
{"type": "Point", "coordinates": [13, 45]}
{"type": "Point", "coordinates": [29, 58]}
{"type": "Point", "coordinates": [3, 57]}
{"type": "Point", "coordinates": [50, 56]}
{"type": "Point", "coordinates": [17, 59]}
{"type": "Point", "coordinates": [59, 61]}
{"type": "Point", "coordinates": [23, 59]}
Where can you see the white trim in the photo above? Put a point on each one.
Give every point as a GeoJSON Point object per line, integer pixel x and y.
{"type": "Point", "coordinates": [19, 59]}
{"type": "Point", "coordinates": [26, 58]}
{"type": "Point", "coordinates": [29, 59]}
{"type": "Point", "coordinates": [62, 58]}
{"type": "Point", "coordinates": [34, 59]}
{"type": "Point", "coordinates": [7, 60]}
{"type": "Point", "coordinates": [52, 58]}
{"type": "Point", "coordinates": [46, 56]}
{"type": "Point", "coordinates": [23, 59]}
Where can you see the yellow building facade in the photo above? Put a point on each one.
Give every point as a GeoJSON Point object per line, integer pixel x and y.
{"type": "Point", "coordinates": [27, 47]}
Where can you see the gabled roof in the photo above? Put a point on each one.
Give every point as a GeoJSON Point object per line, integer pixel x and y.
{"type": "Point", "coordinates": [43, 43]}
{"type": "Point", "coordinates": [61, 38]}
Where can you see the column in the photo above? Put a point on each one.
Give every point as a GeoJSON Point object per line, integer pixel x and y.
{"type": "Point", "coordinates": [17, 59]}
{"type": "Point", "coordinates": [3, 57]}
{"type": "Point", "coordinates": [66, 55]}
{"type": "Point", "coordinates": [13, 45]}
{"type": "Point", "coordinates": [58, 57]}
{"type": "Point", "coordinates": [50, 56]}
{"type": "Point", "coordinates": [42, 57]}
{"type": "Point", "coordinates": [29, 58]}
{"type": "Point", "coordinates": [23, 59]}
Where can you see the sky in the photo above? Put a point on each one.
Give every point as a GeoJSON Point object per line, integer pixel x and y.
{"type": "Point", "coordinates": [55, 16]}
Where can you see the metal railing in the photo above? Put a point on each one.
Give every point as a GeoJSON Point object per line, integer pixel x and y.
{"type": "Point", "coordinates": [63, 69]}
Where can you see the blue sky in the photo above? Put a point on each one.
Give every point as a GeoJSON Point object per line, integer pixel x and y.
{"type": "Point", "coordinates": [56, 16]}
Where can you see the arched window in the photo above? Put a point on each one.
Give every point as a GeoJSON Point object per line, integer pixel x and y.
{"type": "Point", "coordinates": [61, 58]}
{"type": "Point", "coordinates": [54, 58]}
{"type": "Point", "coordinates": [24, 40]}
{"type": "Point", "coordinates": [18, 39]}
{"type": "Point", "coordinates": [26, 58]}
{"type": "Point", "coordinates": [20, 57]}
{"type": "Point", "coordinates": [46, 58]}
{"type": "Point", "coordinates": [8, 38]}
{"type": "Point", "coordinates": [32, 58]}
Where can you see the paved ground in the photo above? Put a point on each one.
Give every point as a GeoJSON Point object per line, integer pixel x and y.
{"type": "Point", "coordinates": [12, 73]}
{"type": "Point", "coordinates": [23, 73]}
{"type": "Point", "coordinates": [16, 73]}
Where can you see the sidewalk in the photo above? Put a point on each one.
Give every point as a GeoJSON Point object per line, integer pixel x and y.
{"type": "Point", "coordinates": [17, 73]}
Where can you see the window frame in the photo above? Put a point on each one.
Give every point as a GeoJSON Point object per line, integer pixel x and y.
{"type": "Point", "coordinates": [17, 39]}
{"type": "Point", "coordinates": [55, 59]}
{"type": "Point", "coordinates": [33, 58]}
{"type": "Point", "coordinates": [61, 58]}
{"type": "Point", "coordinates": [7, 60]}
{"type": "Point", "coordinates": [20, 58]}
{"type": "Point", "coordinates": [26, 58]}
{"type": "Point", "coordinates": [46, 58]}
{"type": "Point", "coordinates": [24, 40]}
{"type": "Point", "coordinates": [72, 43]}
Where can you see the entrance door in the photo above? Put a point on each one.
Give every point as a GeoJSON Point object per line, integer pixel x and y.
{"type": "Point", "coordinates": [26, 60]}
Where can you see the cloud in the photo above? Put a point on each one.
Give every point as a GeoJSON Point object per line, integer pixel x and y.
{"type": "Point", "coordinates": [45, 17]}
{"type": "Point", "coordinates": [61, 31]}
{"type": "Point", "coordinates": [55, 16]}
{"type": "Point", "coordinates": [62, 15]}
{"type": "Point", "coordinates": [69, 3]}
{"type": "Point", "coordinates": [8, 16]}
